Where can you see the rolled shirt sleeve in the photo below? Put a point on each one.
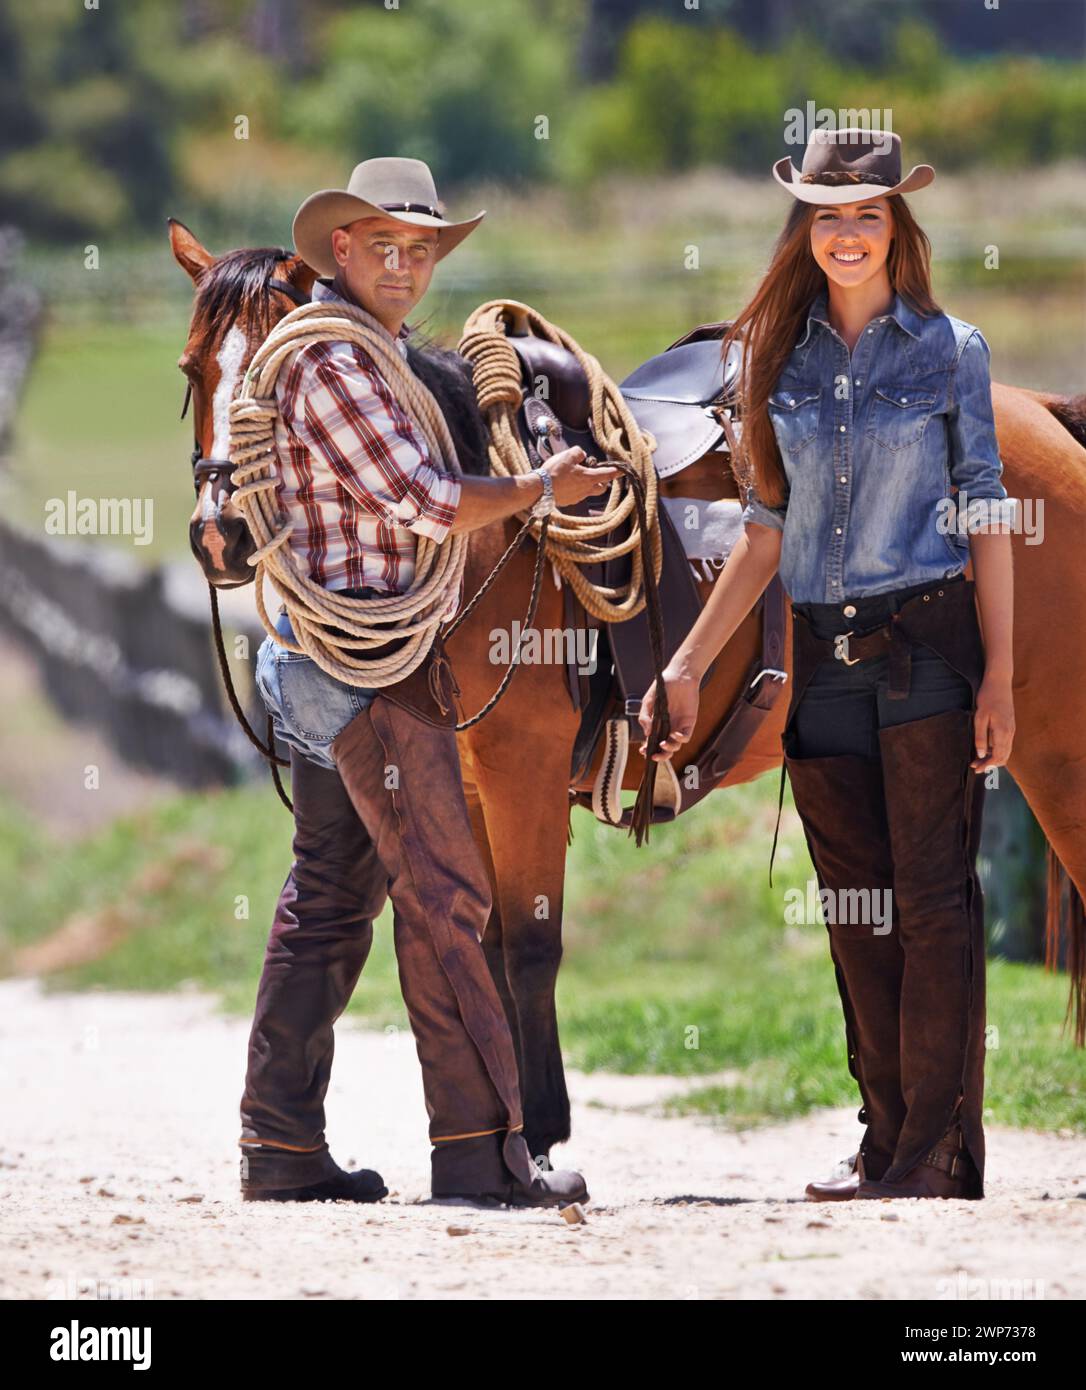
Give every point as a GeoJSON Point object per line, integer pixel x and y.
{"type": "Point", "coordinates": [757, 511]}
{"type": "Point", "coordinates": [974, 463]}
{"type": "Point", "coordinates": [350, 419]}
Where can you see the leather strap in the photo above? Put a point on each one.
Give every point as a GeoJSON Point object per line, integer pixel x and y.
{"type": "Point", "coordinates": [761, 690]}
{"type": "Point", "coordinates": [946, 1156]}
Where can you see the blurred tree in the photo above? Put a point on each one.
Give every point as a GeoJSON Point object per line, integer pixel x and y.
{"type": "Point", "coordinates": [92, 148]}
{"type": "Point", "coordinates": [685, 94]}
{"type": "Point", "coordinates": [856, 30]}
{"type": "Point", "coordinates": [463, 88]}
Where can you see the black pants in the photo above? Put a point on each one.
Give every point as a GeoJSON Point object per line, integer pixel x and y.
{"type": "Point", "coordinates": [844, 707]}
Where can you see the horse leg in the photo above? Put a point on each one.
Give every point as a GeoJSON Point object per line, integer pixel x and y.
{"type": "Point", "coordinates": [527, 837]}
{"type": "Point", "coordinates": [493, 947]}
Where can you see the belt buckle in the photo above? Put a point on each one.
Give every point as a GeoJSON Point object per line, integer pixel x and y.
{"type": "Point", "coordinates": [849, 661]}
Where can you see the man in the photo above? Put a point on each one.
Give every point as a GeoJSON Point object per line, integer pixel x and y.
{"type": "Point", "coordinates": [378, 802]}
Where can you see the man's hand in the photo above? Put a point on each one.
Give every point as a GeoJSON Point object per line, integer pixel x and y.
{"type": "Point", "coordinates": [573, 482]}
{"type": "Point", "coordinates": [484, 500]}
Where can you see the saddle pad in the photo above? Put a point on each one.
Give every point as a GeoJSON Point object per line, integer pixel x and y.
{"type": "Point", "coordinates": [708, 530]}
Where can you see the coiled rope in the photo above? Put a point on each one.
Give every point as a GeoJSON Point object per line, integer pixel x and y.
{"type": "Point", "coordinates": [334, 630]}
{"type": "Point", "coordinates": [569, 539]}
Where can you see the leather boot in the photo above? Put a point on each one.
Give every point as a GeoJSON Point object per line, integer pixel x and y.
{"type": "Point", "coordinates": [403, 776]}
{"type": "Point", "coordinates": [839, 1189]}
{"type": "Point", "coordinates": [946, 1171]}
{"type": "Point", "coordinates": [319, 941]}
{"type": "Point", "coordinates": [934, 803]}
{"type": "Point", "coordinates": [840, 803]}
{"type": "Point", "coordinates": [477, 1170]}
{"type": "Point", "coordinates": [269, 1174]}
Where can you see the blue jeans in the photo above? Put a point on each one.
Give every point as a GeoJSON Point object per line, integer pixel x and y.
{"type": "Point", "coordinates": [309, 708]}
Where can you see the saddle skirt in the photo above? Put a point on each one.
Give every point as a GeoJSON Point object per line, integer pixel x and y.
{"type": "Point", "coordinates": [680, 396]}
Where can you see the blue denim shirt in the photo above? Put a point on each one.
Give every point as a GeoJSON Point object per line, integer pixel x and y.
{"type": "Point", "coordinates": [872, 443]}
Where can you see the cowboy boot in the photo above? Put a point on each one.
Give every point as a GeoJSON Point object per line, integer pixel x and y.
{"type": "Point", "coordinates": [477, 1170]}
{"type": "Point", "coordinates": [934, 804]}
{"type": "Point", "coordinates": [840, 803]}
{"type": "Point", "coordinates": [403, 776]}
{"type": "Point", "coordinates": [946, 1171]}
{"type": "Point", "coordinates": [319, 941]}
{"type": "Point", "coordinates": [839, 1189]}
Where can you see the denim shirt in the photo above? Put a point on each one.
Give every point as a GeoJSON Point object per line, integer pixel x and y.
{"type": "Point", "coordinates": [872, 443]}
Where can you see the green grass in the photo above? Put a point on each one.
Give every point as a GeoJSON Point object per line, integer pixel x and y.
{"type": "Point", "coordinates": [677, 959]}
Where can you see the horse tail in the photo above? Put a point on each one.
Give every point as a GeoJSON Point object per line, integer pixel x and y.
{"type": "Point", "coordinates": [1065, 922]}
{"type": "Point", "coordinates": [1070, 411]}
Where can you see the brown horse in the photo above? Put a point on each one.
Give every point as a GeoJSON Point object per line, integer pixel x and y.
{"type": "Point", "coordinates": [527, 741]}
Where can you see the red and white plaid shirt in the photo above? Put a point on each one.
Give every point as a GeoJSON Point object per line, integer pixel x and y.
{"type": "Point", "coordinates": [355, 480]}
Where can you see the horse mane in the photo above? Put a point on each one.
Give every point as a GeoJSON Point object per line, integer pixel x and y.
{"type": "Point", "coordinates": [1070, 411]}
{"type": "Point", "coordinates": [448, 377]}
{"type": "Point", "coordinates": [236, 284]}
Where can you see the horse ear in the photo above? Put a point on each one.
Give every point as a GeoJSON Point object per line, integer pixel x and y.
{"type": "Point", "coordinates": [189, 253]}
{"type": "Point", "coordinates": [303, 277]}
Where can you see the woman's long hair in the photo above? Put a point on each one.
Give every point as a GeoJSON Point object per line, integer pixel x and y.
{"type": "Point", "coordinates": [772, 322]}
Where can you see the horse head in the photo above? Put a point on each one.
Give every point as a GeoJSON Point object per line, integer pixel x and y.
{"type": "Point", "coordinates": [239, 298]}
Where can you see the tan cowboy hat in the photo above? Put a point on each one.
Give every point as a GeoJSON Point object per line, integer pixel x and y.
{"type": "Point", "coordinates": [843, 166]}
{"type": "Point", "coordinates": [402, 189]}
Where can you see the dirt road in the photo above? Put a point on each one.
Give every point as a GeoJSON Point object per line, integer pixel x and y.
{"type": "Point", "coordinates": [118, 1176]}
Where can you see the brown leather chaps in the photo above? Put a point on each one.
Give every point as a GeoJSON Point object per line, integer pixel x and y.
{"type": "Point", "coordinates": [907, 821]}
{"type": "Point", "coordinates": [393, 821]}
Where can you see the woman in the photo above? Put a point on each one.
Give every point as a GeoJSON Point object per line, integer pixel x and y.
{"type": "Point", "coordinates": [863, 405]}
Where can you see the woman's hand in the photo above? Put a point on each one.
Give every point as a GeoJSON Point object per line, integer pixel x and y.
{"type": "Point", "coordinates": [993, 723]}
{"type": "Point", "coordinates": [682, 704]}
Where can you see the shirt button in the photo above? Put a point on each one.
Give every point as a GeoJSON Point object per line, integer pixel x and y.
{"type": "Point", "coordinates": [842, 429]}
{"type": "Point", "coordinates": [871, 330]}
{"type": "Point", "coordinates": [837, 529]}
{"type": "Point", "coordinates": [844, 478]}
{"type": "Point", "coordinates": [857, 381]}
{"type": "Point", "coordinates": [791, 400]}
{"type": "Point", "coordinates": [849, 610]}
{"type": "Point", "coordinates": [904, 400]}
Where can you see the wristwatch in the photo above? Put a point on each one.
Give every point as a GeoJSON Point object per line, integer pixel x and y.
{"type": "Point", "coordinates": [545, 505]}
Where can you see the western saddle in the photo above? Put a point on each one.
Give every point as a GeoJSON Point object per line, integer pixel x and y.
{"type": "Point", "coordinates": [686, 398]}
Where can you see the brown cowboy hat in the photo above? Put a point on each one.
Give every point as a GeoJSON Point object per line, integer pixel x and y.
{"type": "Point", "coordinates": [402, 189]}
{"type": "Point", "coordinates": [843, 166]}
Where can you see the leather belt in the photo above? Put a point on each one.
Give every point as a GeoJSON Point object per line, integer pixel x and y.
{"type": "Point", "coordinates": [889, 641]}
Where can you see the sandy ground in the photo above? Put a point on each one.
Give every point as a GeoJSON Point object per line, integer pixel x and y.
{"type": "Point", "coordinates": [118, 1178]}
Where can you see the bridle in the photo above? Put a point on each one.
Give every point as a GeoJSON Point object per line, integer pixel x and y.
{"type": "Point", "coordinates": [207, 470]}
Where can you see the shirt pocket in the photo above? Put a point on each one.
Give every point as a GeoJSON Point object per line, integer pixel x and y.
{"type": "Point", "coordinates": [795, 412]}
{"type": "Point", "coordinates": [899, 415]}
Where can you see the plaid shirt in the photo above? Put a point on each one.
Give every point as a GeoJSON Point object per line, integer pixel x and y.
{"type": "Point", "coordinates": [355, 480]}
